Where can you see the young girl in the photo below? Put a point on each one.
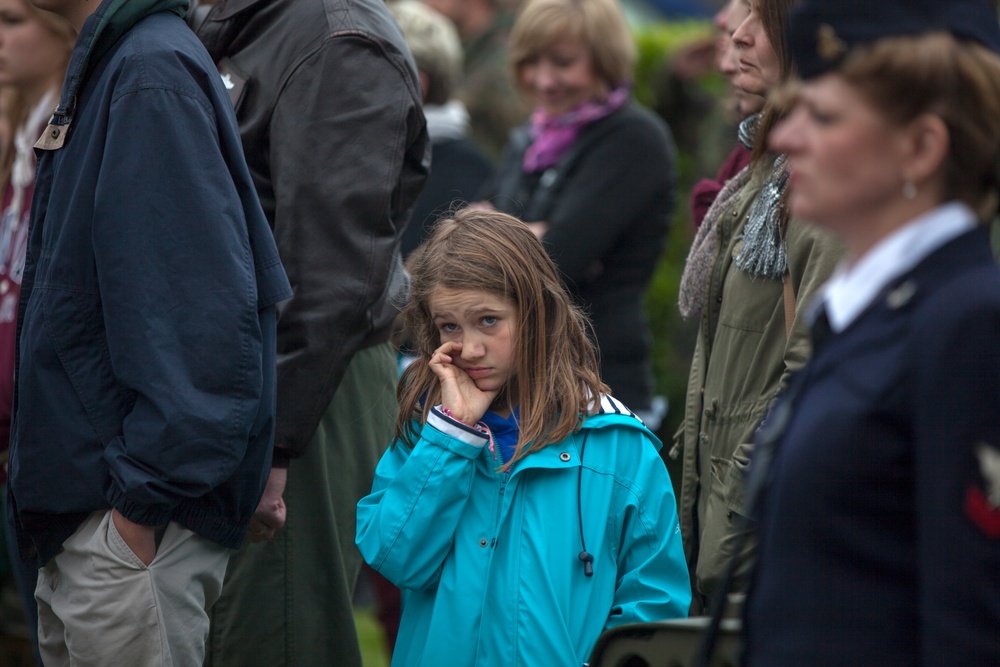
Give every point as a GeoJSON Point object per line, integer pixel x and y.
{"type": "Point", "coordinates": [522, 510]}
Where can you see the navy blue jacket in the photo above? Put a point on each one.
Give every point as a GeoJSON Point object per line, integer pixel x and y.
{"type": "Point", "coordinates": [147, 317]}
{"type": "Point", "coordinates": [877, 546]}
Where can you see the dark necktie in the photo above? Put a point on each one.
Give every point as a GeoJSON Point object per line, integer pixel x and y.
{"type": "Point", "coordinates": [820, 331]}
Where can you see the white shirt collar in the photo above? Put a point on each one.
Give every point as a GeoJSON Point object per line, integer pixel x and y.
{"type": "Point", "coordinates": [852, 289]}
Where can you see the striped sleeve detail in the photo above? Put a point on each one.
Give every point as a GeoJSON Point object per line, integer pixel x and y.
{"type": "Point", "coordinates": [612, 406]}
{"type": "Point", "coordinates": [456, 429]}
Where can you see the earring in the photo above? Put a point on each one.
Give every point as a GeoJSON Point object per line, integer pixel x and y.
{"type": "Point", "coordinates": [909, 189]}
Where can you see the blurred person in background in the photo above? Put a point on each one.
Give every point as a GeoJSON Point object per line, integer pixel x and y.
{"type": "Point", "coordinates": [726, 20]}
{"type": "Point", "coordinates": [35, 46]}
{"type": "Point", "coordinates": [486, 87]}
{"type": "Point", "coordinates": [880, 519]}
{"type": "Point", "coordinates": [594, 175]}
{"type": "Point", "coordinates": [459, 167]}
{"type": "Point", "coordinates": [749, 268]}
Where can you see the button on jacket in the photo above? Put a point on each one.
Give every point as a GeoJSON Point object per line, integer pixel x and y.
{"type": "Point", "coordinates": [488, 561]}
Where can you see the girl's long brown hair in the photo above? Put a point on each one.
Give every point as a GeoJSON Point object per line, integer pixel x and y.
{"type": "Point", "coordinates": [556, 381]}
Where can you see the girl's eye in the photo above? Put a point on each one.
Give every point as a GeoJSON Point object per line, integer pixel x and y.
{"type": "Point", "coordinates": [489, 321]}
{"type": "Point", "coordinates": [448, 328]}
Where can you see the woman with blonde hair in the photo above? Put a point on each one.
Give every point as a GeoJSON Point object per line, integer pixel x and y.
{"type": "Point", "coordinates": [594, 173]}
{"type": "Point", "coordinates": [880, 522]}
{"type": "Point", "coordinates": [35, 46]}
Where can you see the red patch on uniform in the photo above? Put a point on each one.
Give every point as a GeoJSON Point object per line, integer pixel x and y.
{"type": "Point", "coordinates": [982, 513]}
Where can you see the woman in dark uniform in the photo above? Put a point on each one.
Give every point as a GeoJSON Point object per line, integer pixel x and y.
{"type": "Point", "coordinates": [880, 519]}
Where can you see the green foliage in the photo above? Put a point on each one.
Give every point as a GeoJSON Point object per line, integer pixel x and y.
{"type": "Point", "coordinates": [655, 44]}
{"type": "Point", "coordinates": [703, 137]}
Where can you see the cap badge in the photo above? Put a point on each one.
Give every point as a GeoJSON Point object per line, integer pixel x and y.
{"type": "Point", "coordinates": [901, 296]}
{"type": "Point", "coordinates": [982, 502]}
{"type": "Point", "coordinates": [828, 45]}
{"type": "Point", "coordinates": [989, 466]}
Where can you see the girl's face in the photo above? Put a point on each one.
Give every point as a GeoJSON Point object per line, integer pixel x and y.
{"type": "Point", "coordinates": [31, 55]}
{"type": "Point", "coordinates": [561, 77]}
{"type": "Point", "coordinates": [760, 69]}
{"type": "Point", "coordinates": [847, 163]}
{"type": "Point", "coordinates": [486, 326]}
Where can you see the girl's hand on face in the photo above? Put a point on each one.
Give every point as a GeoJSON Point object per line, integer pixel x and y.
{"type": "Point", "coordinates": [459, 392]}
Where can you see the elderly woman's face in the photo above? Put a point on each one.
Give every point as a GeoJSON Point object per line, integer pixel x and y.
{"type": "Point", "coordinates": [759, 66]}
{"type": "Point", "coordinates": [847, 163]}
{"type": "Point", "coordinates": [561, 77]}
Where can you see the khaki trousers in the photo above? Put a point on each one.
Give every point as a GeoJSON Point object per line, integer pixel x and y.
{"type": "Point", "coordinates": [98, 604]}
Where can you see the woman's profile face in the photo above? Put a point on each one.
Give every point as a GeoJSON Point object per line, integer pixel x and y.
{"type": "Point", "coordinates": [30, 53]}
{"type": "Point", "coordinates": [561, 77]}
{"type": "Point", "coordinates": [846, 161]}
{"type": "Point", "coordinates": [759, 66]}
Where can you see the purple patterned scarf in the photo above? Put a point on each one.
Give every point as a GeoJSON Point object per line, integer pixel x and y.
{"type": "Point", "coordinates": [553, 135]}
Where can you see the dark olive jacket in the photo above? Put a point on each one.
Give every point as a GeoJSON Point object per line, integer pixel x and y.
{"type": "Point", "coordinates": [742, 358]}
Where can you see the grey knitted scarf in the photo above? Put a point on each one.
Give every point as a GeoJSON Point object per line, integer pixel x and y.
{"type": "Point", "coordinates": [763, 252]}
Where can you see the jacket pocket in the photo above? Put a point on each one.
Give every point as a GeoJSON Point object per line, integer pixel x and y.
{"type": "Point", "coordinates": [74, 324]}
{"type": "Point", "coordinates": [119, 547]}
{"type": "Point", "coordinates": [723, 523]}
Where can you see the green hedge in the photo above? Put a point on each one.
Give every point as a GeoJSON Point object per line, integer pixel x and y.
{"type": "Point", "coordinates": [694, 111]}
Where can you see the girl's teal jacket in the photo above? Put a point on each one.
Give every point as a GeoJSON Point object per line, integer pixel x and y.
{"type": "Point", "coordinates": [489, 561]}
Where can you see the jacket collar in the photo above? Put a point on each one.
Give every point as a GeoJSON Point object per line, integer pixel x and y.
{"type": "Point", "coordinates": [218, 25]}
{"type": "Point", "coordinates": [101, 31]}
{"type": "Point", "coordinates": [230, 8]}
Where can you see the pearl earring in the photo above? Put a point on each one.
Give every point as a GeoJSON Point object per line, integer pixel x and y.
{"type": "Point", "coordinates": [909, 190]}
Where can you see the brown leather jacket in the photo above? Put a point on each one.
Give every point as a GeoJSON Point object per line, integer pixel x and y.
{"type": "Point", "coordinates": [329, 108]}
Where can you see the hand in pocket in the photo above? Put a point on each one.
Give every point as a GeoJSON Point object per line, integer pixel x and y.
{"type": "Point", "coordinates": [140, 539]}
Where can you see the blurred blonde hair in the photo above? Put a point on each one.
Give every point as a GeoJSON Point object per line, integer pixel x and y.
{"type": "Point", "coordinates": [11, 117]}
{"type": "Point", "coordinates": [13, 107]}
{"type": "Point", "coordinates": [435, 46]}
{"type": "Point", "coordinates": [57, 24]}
{"type": "Point", "coordinates": [599, 24]}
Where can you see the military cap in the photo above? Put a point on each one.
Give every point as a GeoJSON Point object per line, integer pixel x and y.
{"type": "Point", "coordinates": [822, 32]}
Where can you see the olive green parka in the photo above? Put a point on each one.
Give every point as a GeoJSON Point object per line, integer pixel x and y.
{"type": "Point", "coordinates": [742, 358]}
